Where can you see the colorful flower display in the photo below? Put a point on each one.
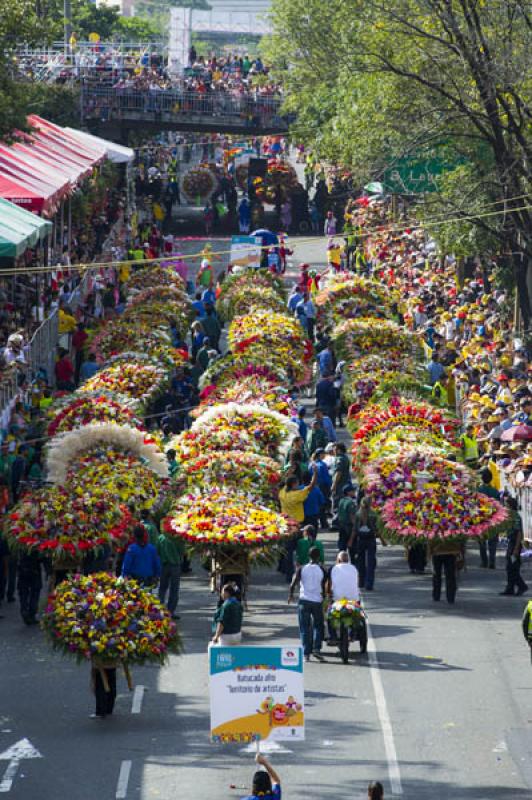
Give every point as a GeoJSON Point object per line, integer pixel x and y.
{"type": "Point", "coordinates": [140, 382]}
{"type": "Point", "coordinates": [449, 513]}
{"type": "Point", "coordinates": [250, 473]}
{"type": "Point", "coordinates": [348, 612]}
{"type": "Point", "coordinates": [198, 183]}
{"type": "Point", "coordinates": [266, 431]}
{"type": "Point", "coordinates": [220, 517]}
{"type": "Point", "coordinates": [235, 293]}
{"type": "Point", "coordinates": [246, 389]}
{"type": "Point", "coordinates": [376, 419]}
{"type": "Point", "coordinates": [108, 471]}
{"type": "Point", "coordinates": [75, 411]}
{"type": "Point", "coordinates": [153, 275]}
{"type": "Point", "coordinates": [111, 619]}
{"type": "Point", "coordinates": [343, 297]}
{"type": "Point", "coordinates": [64, 524]}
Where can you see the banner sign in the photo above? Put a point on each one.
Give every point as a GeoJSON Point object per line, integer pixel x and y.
{"type": "Point", "coordinates": [256, 694]}
{"type": "Point", "coordinates": [246, 251]}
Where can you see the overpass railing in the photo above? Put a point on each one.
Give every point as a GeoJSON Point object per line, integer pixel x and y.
{"type": "Point", "coordinates": [108, 103]}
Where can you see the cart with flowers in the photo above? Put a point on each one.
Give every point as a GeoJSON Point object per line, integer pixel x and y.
{"type": "Point", "coordinates": [347, 623]}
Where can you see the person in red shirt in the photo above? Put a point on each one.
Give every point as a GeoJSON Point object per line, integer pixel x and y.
{"type": "Point", "coordinates": [64, 372]}
{"type": "Point", "coordinates": [78, 343]}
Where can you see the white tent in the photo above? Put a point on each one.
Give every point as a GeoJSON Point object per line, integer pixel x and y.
{"type": "Point", "coordinates": [117, 153]}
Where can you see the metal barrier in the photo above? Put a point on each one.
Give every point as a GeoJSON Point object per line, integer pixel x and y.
{"type": "Point", "coordinates": [104, 102]}
{"type": "Point", "coordinates": [43, 346]}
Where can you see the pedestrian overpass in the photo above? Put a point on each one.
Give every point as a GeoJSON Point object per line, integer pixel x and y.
{"type": "Point", "coordinates": [112, 112]}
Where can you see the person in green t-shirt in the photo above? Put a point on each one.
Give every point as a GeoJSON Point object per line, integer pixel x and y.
{"type": "Point", "coordinates": [341, 472]}
{"type": "Point", "coordinates": [228, 618]}
{"type": "Point", "coordinates": [151, 527]}
{"type": "Point", "coordinates": [347, 509]}
{"type": "Point", "coordinates": [171, 551]}
{"type": "Point", "coordinates": [304, 545]}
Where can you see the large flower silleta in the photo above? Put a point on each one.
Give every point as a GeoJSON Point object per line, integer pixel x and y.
{"type": "Point", "coordinates": [109, 619]}
{"type": "Point", "coordinates": [139, 381]}
{"type": "Point", "coordinates": [223, 518]}
{"type": "Point", "coordinates": [74, 412]}
{"type": "Point", "coordinates": [249, 473]}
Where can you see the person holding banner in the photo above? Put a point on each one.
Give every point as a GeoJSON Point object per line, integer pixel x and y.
{"type": "Point", "coordinates": [266, 783]}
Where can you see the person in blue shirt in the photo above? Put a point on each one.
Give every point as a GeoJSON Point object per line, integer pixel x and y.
{"type": "Point", "coordinates": [326, 422]}
{"type": "Point", "coordinates": [435, 370]}
{"type": "Point", "coordinates": [141, 560]}
{"type": "Point", "coordinates": [326, 395]}
{"type": "Point", "coordinates": [300, 422]}
{"type": "Point", "coordinates": [295, 298]}
{"type": "Point", "coordinates": [266, 785]}
{"type": "Point", "coordinates": [89, 368]}
{"type": "Point", "coordinates": [326, 361]}
{"type": "Point", "coordinates": [198, 306]}
{"type": "Point", "coordinates": [208, 297]}
{"type": "Point", "coordinates": [313, 505]}
{"type": "Point", "coordinates": [324, 482]}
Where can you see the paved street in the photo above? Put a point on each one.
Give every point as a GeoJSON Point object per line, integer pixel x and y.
{"type": "Point", "coordinates": [442, 705]}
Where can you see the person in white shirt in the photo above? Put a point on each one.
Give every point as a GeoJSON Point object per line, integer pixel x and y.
{"type": "Point", "coordinates": [343, 579]}
{"type": "Point", "coordinates": [311, 578]}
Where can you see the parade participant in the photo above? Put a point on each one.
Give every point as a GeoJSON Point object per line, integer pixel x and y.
{"type": "Point", "coordinates": [305, 544]}
{"type": "Point", "coordinates": [343, 579]}
{"type": "Point", "coordinates": [300, 422]}
{"type": "Point", "coordinates": [317, 438]}
{"type": "Point", "coordinates": [526, 624]}
{"type": "Point", "coordinates": [171, 551]}
{"type": "Point", "coordinates": [341, 472]}
{"type": "Point", "coordinates": [292, 496]}
{"type": "Point", "coordinates": [313, 505]}
{"type": "Point", "coordinates": [312, 579]}
{"type": "Point", "coordinates": [366, 540]}
{"type": "Point", "coordinates": [444, 558]}
{"type": "Point", "coordinates": [513, 552]}
{"type": "Point", "coordinates": [150, 526]}
{"type": "Point", "coordinates": [326, 395]}
{"type": "Point", "coordinates": [228, 618]}
{"type": "Point", "coordinates": [324, 482]}
{"type": "Point", "coordinates": [141, 561]}
{"type": "Point", "coordinates": [88, 368]}
{"type": "Point", "coordinates": [347, 513]}
{"type": "Point", "coordinates": [29, 585]}
{"type": "Point", "coordinates": [375, 791]}
{"type": "Point", "coordinates": [103, 681]}
{"type": "Point", "coordinates": [489, 546]}
{"type": "Point", "coordinates": [469, 445]}
{"type": "Point", "coordinates": [64, 372]}
{"type": "Point", "coordinates": [328, 427]}
{"type": "Point", "coordinates": [265, 785]}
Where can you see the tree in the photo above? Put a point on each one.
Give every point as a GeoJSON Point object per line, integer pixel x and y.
{"type": "Point", "coordinates": [414, 74]}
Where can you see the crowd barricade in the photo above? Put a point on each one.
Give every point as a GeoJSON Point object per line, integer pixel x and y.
{"type": "Point", "coordinates": [43, 347]}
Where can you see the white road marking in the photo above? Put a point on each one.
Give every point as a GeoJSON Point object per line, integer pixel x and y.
{"type": "Point", "coordinates": [384, 717]}
{"type": "Point", "coordinates": [138, 695]}
{"type": "Point", "coordinates": [123, 780]}
{"type": "Point", "coordinates": [502, 747]}
{"type": "Point", "coordinates": [15, 754]}
{"type": "Point", "coordinates": [265, 747]}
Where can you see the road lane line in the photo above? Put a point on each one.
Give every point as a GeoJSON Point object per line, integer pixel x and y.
{"type": "Point", "coordinates": [138, 696]}
{"type": "Point", "coordinates": [394, 773]}
{"type": "Point", "coordinates": [123, 780]}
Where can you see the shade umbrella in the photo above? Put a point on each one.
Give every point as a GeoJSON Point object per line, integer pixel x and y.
{"type": "Point", "coordinates": [517, 433]}
{"type": "Point", "coordinates": [268, 238]}
{"type": "Point", "coordinates": [375, 187]}
{"type": "Point", "coordinates": [362, 201]}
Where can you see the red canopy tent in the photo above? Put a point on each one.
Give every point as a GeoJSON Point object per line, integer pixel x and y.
{"type": "Point", "coordinates": [21, 195]}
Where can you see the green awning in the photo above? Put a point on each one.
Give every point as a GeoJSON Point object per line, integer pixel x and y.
{"type": "Point", "coordinates": [19, 229]}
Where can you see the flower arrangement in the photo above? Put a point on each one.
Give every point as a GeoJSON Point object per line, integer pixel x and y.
{"type": "Point", "coordinates": [412, 470]}
{"type": "Point", "coordinates": [345, 297]}
{"type": "Point", "coordinates": [346, 612]}
{"type": "Point", "coordinates": [160, 312]}
{"type": "Point", "coordinates": [119, 475]}
{"type": "Point", "coordinates": [193, 444]}
{"type": "Point", "coordinates": [376, 419]}
{"type": "Point", "coordinates": [198, 183]}
{"type": "Point", "coordinates": [153, 275]}
{"type": "Point", "coordinates": [75, 412]}
{"type": "Point", "coordinates": [67, 447]}
{"type": "Point", "coordinates": [266, 429]}
{"type": "Point", "coordinates": [449, 513]}
{"type": "Point", "coordinates": [130, 335]}
{"type": "Point", "coordinates": [111, 619]}
{"type": "Point", "coordinates": [168, 294]}
{"type": "Point", "coordinates": [221, 518]}
{"type": "Point", "coordinates": [274, 340]}
{"type": "Point", "coordinates": [255, 475]}
{"type": "Point", "coordinates": [362, 334]}
{"type": "Point", "coordinates": [140, 382]}
{"type": "Point", "coordinates": [393, 444]}
{"type": "Point", "coordinates": [235, 289]}
{"type": "Point", "coordinates": [59, 522]}
{"type": "Point", "coordinates": [248, 388]}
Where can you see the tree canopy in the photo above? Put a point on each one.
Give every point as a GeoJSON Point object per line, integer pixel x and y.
{"type": "Point", "coordinates": [375, 81]}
